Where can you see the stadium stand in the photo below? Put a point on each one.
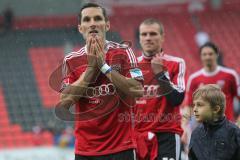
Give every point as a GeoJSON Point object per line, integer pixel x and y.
{"type": "Point", "coordinates": [224, 30]}
{"type": "Point", "coordinates": [43, 67]}
{"type": "Point", "coordinates": [11, 135]}
{"type": "Point", "coordinates": [24, 106]}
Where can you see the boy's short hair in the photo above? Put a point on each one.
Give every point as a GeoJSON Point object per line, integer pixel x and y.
{"type": "Point", "coordinates": [213, 95]}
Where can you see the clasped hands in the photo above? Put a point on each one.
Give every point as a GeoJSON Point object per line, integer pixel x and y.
{"type": "Point", "coordinates": [95, 51]}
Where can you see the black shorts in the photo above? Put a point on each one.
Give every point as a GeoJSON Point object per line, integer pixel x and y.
{"type": "Point", "coordinates": [124, 155]}
{"type": "Point", "coordinates": [168, 146]}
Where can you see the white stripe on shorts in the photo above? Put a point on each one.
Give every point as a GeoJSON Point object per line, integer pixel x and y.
{"type": "Point", "coordinates": [178, 145]}
{"type": "Point", "coordinates": [134, 155]}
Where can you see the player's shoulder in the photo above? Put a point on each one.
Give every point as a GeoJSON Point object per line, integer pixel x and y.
{"type": "Point", "coordinates": [75, 54]}
{"type": "Point", "coordinates": [193, 77]}
{"type": "Point", "coordinates": [118, 46]}
{"type": "Point", "coordinates": [172, 58]}
{"type": "Point", "coordinates": [229, 71]}
{"type": "Point", "coordinates": [122, 49]}
{"type": "Point", "coordinates": [196, 74]}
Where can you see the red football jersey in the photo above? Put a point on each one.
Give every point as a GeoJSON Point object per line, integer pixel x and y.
{"type": "Point", "coordinates": [226, 78]}
{"type": "Point", "coordinates": [99, 127]}
{"type": "Point", "coordinates": [152, 111]}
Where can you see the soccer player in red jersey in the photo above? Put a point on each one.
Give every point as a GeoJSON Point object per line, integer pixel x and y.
{"type": "Point", "coordinates": [102, 80]}
{"type": "Point", "coordinates": [157, 112]}
{"type": "Point", "coordinates": [212, 73]}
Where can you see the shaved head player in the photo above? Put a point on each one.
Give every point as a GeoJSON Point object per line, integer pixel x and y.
{"type": "Point", "coordinates": [157, 111]}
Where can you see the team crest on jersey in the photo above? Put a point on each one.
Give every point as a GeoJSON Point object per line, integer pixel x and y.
{"type": "Point", "coordinates": [220, 83]}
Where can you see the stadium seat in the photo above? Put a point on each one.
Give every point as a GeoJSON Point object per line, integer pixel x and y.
{"type": "Point", "coordinates": [12, 135]}
{"type": "Point", "coordinates": [45, 61]}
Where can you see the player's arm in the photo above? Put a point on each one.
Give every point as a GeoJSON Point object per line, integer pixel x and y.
{"type": "Point", "coordinates": [174, 93]}
{"type": "Point", "coordinates": [174, 90]}
{"type": "Point", "coordinates": [236, 85]}
{"type": "Point", "coordinates": [235, 90]}
{"type": "Point", "coordinates": [72, 92]}
{"type": "Point", "coordinates": [127, 86]}
{"type": "Point", "coordinates": [187, 108]}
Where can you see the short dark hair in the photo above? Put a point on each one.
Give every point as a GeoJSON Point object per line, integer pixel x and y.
{"type": "Point", "coordinates": [90, 5]}
{"type": "Point", "coordinates": [150, 21]}
{"type": "Point", "coordinates": [211, 45]}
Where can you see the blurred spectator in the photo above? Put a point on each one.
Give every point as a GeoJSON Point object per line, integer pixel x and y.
{"type": "Point", "coordinates": [236, 107]}
{"type": "Point", "coordinates": [8, 19]}
{"type": "Point", "coordinates": [68, 47]}
{"type": "Point", "coordinates": [37, 134]}
{"type": "Point", "coordinates": [201, 38]}
{"type": "Point", "coordinates": [1, 28]}
{"type": "Point", "coordinates": [195, 6]}
{"type": "Point", "coordinates": [216, 4]}
{"type": "Point", "coordinates": [66, 139]}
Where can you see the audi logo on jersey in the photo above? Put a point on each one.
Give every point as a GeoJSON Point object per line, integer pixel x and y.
{"type": "Point", "coordinates": [102, 90]}
{"type": "Point", "coordinates": [151, 91]}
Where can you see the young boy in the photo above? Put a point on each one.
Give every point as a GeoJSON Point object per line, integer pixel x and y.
{"type": "Point", "coordinates": [215, 138]}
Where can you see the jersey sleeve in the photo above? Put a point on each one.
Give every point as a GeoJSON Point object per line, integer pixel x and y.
{"type": "Point", "coordinates": [235, 85]}
{"type": "Point", "coordinates": [178, 80]}
{"type": "Point", "coordinates": [68, 76]}
{"type": "Point", "coordinates": [189, 91]}
{"type": "Point", "coordinates": [131, 68]}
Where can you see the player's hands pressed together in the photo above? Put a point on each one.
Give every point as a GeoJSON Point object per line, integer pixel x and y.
{"type": "Point", "coordinates": [91, 49]}
{"type": "Point", "coordinates": [95, 47]}
{"type": "Point", "coordinates": [157, 64]}
{"type": "Point", "coordinates": [100, 51]}
{"type": "Point", "coordinates": [127, 86]}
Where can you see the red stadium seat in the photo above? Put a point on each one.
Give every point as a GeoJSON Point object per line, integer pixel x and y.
{"type": "Point", "coordinates": [45, 61]}
{"type": "Point", "coordinates": [12, 136]}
